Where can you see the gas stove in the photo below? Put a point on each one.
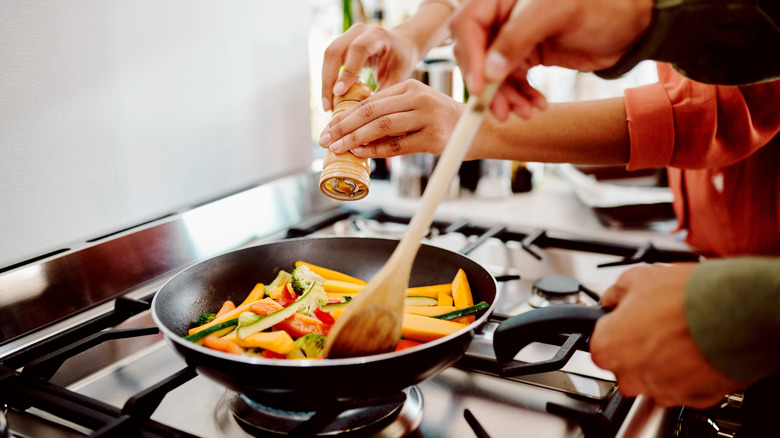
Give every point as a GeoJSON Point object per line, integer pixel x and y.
{"type": "Point", "coordinates": [80, 355]}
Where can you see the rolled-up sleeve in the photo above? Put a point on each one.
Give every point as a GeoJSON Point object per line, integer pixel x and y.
{"type": "Point", "coordinates": [732, 307]}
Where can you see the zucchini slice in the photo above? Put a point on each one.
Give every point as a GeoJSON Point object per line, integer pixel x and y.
{"type": "Point", "coordinates": [195, 337]}
{"type": "Point", "coordinates": [276, 317]}
{"type": "Point", "coordinates": [482, 305]}
{"type": "Point", "coordinates": [420, 301]}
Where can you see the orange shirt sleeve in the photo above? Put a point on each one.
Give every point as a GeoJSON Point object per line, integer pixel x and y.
{"type": "Point", "coordinates": [681, 123]}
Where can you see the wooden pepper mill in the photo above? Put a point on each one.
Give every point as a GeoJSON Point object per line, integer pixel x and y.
{"type": "Point", "coordinates": [346, 177]}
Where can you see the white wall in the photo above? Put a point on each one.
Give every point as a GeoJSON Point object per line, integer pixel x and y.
{"type": "Point", "coordinates": [113, 112]}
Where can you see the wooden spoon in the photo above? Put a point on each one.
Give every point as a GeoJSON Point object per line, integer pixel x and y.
{"type": "Point", "coordinates": [371, 323]}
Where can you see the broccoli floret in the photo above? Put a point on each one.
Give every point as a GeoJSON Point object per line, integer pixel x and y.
{"type": "Point", "coordinates": [303, 277]}
{"type": "Point", "coordinates": [308, 347]}
{"type": "Point", "coordinates": [206, 318]}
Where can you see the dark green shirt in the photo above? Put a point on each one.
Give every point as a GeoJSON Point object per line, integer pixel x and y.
{"type": "Point", "coordinates": [733, 310]}
{"type": "Point", "coordinates": [725, 42]}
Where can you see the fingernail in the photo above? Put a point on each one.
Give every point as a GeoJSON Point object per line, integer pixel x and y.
{"type": "Point", "coordinates": [324, 140]}
{"type": "Point", "coordinates": [495, 66]}
{"type": "Point", "coordinates": [326, 104]}
{"type": "Point", "coordinates": [358, 150]}
{"type": "Point", "coordinates": [340, 88]}
{"type": "Point", "coordinates": [337, 146]}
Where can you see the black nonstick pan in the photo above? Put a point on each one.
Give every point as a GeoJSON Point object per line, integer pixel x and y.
{"type": "Point", "coordinates": [204, 286]}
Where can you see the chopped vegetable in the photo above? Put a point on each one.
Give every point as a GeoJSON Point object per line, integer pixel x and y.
{"type": "Point", "coordinates": [257, 293]}
{"type": "Point", "coordinates": [287, 296]}
{"type": "Point", "coordinates": [332, 306]}
{"type": "Point", "coordinates": [461, 295]}
{"type": "Point", "coordinates": [225, 317]}
{"type": "Point", "coordinates": [403, 344]}
{"type": "Point", "coordinates": [212, 330]}
{"type": "Point", "coordinates": [282, 278]}
{"type": "Point", "coordinates": [420, 301]}
{"type": "Point", "coordinates": [206, 318]}
{"type": "Point", "coordinates": [429, 310]}
{"type": "Point", "coordinates": [304, 278]}
{"type": "Point", "coordinates": [276, 317]}
{"type": "Point", "coordinates": [430, 291]}
{"type": "Point", "coordinates": [227, 306]}
{"type": "Point", "coordinates": [277, 341]}
{"type": "Point", "coordinates": [445, 300]}
{"type": "Point", "coordinates": [308, 347]}
{"type": "Point", "coordinates": [342, 287]}
{"type": "Point", "coordinates": [323, 316]}
{"type": "Point", "coordinates": [458, 313]}
{"type": "Point", "coordinates": [424, 329]}
{"type": "Point", "coordinates": [221, 344]}
{"type": "Point", "coordinates": [330, 274]}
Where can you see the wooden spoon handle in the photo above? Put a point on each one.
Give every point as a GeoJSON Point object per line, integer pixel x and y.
{"type": "Point", "coordinates": [449, 162]}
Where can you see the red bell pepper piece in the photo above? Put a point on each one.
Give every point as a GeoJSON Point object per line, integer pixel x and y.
{"type": "Point", "coordinates": [268, 354]}
{"type": "Point", "coordinates": [323, 316]}
{"type": "Point", "coordinates": [288, 297]}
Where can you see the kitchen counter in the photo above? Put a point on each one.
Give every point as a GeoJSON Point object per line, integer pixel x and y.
{"type": "Point", "coordinates": [552, 205]}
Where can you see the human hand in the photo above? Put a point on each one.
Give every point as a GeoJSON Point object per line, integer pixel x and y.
{"type": "Point", "coordinates": [389, 52]}
{"type": "Point", "coordinates": [646, 343]}
{"type": "Point", "coordinates": [581, 34]}
{"type": "Point", "coordinates": [406, 118]}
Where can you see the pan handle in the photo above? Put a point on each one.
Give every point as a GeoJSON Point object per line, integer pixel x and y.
{"type": "Point", "coordinates": [515, 333]}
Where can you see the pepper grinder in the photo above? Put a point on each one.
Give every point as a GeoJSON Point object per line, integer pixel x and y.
{"type": "Point", "coordinates": [344, 176]}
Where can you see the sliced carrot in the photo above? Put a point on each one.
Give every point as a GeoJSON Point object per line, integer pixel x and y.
{"type": "Point", "coordinates": [278, 341]}
{"type": "Point", "coordinates": [330, 274]}
{"type": "Point", "coordinates": [445, 300]}
{"type": "Point", "coordinates": [434, 291]}
{"type": "Point", "coordinates": [461, 296]}
{"type": "Point", "coordinates": [221, 344]}
{"type": "Point", "coordinates": [227, 306]}
{"type": "Point", "coordinates": [257, 293]}
{"type": "Point", "coordinates": [424, 329]}
{"type": "Point", "coordinates": [342, 287]}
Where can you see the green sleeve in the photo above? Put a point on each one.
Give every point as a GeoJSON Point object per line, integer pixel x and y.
{"type": "Point", "coordinates": [732, 307]}
{"type": "Point", "coordinates": [725, 42]}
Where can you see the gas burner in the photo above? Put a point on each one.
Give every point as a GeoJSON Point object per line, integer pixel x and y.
{"type": "Point", "coordinates": [388, 417]}
{"type": "Point", "coordinates": [558, 289]}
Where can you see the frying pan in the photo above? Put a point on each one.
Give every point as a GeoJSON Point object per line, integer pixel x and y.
{"type": "Point", "coordinates": [203, 287]}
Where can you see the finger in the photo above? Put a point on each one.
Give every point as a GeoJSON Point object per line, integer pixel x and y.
{"type": "Point", "coordinates": [332, 61]}
{"type": "Point", "coordinates": [516, 43]}
{"type": "Point", "coordinates": [386, 126]}
{"type": "Point", "coordinates": [369, 43]}
{"type": "Point", "coordinates": [386, 148]}
{"type": "Point", "coordinates": [471, 27]}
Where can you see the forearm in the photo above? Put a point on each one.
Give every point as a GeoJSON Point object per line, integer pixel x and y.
{"type": "Point", "coordinates": [593, 132]}
{"type": "Point", "coordinates": [429, 27]}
